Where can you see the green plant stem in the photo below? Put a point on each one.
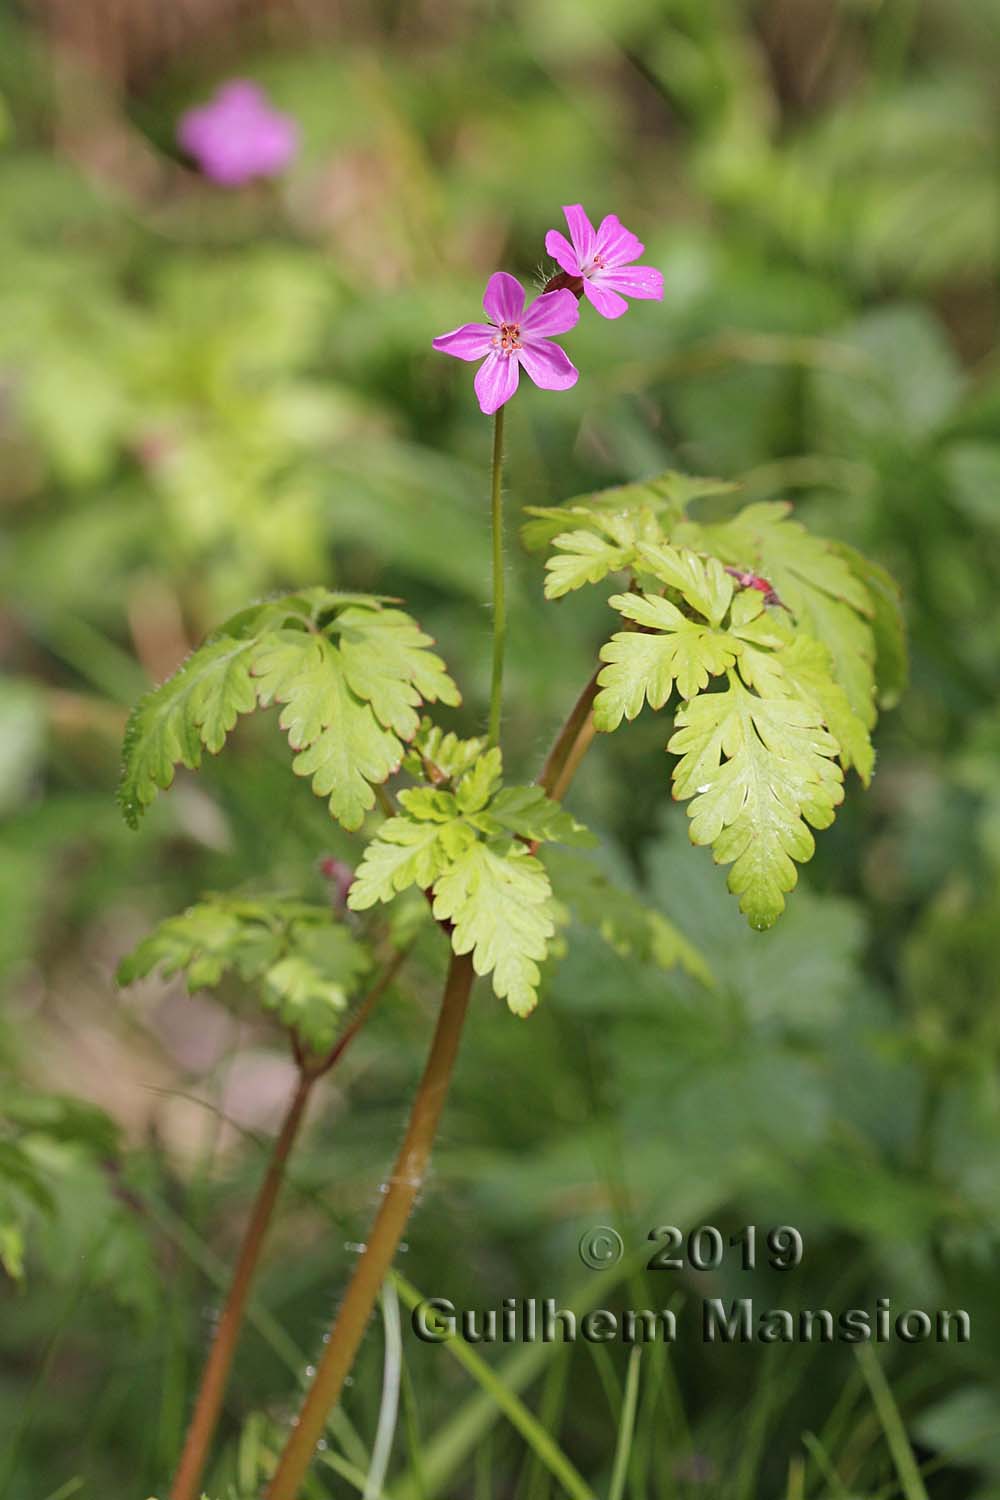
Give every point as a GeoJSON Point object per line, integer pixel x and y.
{"type": "Point", "coordinates": [499, 593]}
{"type": "Point", "coordinates": [376, 1259]}
{"type": "Point", "coordinates": [208, 1403]}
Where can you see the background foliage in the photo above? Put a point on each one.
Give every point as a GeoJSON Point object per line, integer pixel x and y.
{"type": "Point", "coordinates": [208, 396]}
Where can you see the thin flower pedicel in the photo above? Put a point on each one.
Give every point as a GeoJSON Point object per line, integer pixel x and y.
{"type": "Point", "coordinates": [515, 336]}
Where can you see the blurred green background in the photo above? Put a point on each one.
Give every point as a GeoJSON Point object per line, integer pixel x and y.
{"type": "Point", "coordinates": [209, 394]}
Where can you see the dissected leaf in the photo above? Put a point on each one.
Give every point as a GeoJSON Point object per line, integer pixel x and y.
{"type": "Point", "coordinates": [667, 495]}
{"type": "Point", "coordinates": [622, 920]}
{"type": "Point", "coordinates": [499, 901]}
{"type": "Point", "coordinates": [193, 709]}
{"type": "Point", "coordinates": [811, 579]}
{"type": "Point", "coordinates": [441, 756]}
{"type": "Point", "coordinates": [406, 852]}
{"type": "Point", "coordinates": [462, 839]}
{"type": "Point", "coordinates": [806, 672]}
{"type": "Point", "coordinates": [341, 744]}
{"type": "Point", "coordinates": [350, 673]}
{"type": "Point", "coordinates": [643, 667]}
{"type": "Point", "coordinates": [386, 663]}
{"type": "Point", "coordinates": [888, 626]}
{"type": "Point", "coordinates": [582, 557]}
{"type": "Point", "coordinates": [306, 963]}
{"type": "Point", "coordinates": [759, 771]}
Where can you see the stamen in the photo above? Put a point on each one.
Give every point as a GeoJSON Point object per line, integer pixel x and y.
{"type": "Point", "coordinates": [508, 338]}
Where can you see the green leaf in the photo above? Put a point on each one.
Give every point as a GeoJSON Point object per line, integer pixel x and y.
{"type": "Point", "coordinates": [196, 707]}
{"type": "Point", "coordinates": [306, 963]}
{"type": "Point", "coordinates": [642, 668]}
{"type": "Point", "coordinates": [667, 495]}
{"type": "Point", "coordinates": [531, 814]}
{"type": "Point", "coordinates": [441, 756]}
{"type": "Point", "coordinates": [348, 702]}
{"type": "Point", "coordinates": [892, 668]}
{"type": "Point", "coordinates": [759, 770]}
{"type": "Point", "coordinates": [812, 580]}
{"type": "Point", "coordinates": [406, 853]}
{"type": "Point", "coordinates": [702, 582]}
{"type": "Point", "coordinates": [478, 784]}
{"type": "Point", "coordinates": [806, 672]}
{"type": "Point", "coordinates": [339, 740]}
{"type": "Point", "coordinates": [621, 919]}
{"type": "Point", "coordinates": [310, 987]}
{"type": "Point", "coordinates": [582, 557]}
{"type": "Point", "coordinates": [499, 901]}
{"type": "Point", "coordinates": [386, 662]}
{"type": "Point", "coordinates": [450, 842]}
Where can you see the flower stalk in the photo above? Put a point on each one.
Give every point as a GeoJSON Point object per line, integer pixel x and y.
{"type": "Point", "coordinates": [499, 581]}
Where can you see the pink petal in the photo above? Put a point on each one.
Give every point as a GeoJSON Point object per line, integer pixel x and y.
{"type": "Point", "coordinates": [633, 281]}
{"type": "Point", "coordinates": [471, 341]}
{"type": "Point", "coordinates": [552, 312]}
{"type": "Point", "coordinates": [616, 245]}
{"type": "Point", "coordinates": [581, 232]}
{"type": "Point", "coordinates": [607, 303]}
{"type": "Point", "coordinates": [504, 298]}
{"type": "Point", "coordinates": [496, 380]}
{"type": "Point", "coordinates": [548, 365]}
{"type": "Point", "coordinates": [561, 251]}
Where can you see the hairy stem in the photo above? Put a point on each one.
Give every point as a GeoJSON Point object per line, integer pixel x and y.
{"type": "Point", "coordinates": [208, 1404]}
{"type": "Point", "coordinates": [411, 1164]}
{"type": "Point", "coordinates": [376, 1259]}
{"type": "Point", "coordinates": [499, 594]}
{"type": "Point", "coordinates": [201, 1429]}
{"type": "Point", "coordinates": [570, 745]}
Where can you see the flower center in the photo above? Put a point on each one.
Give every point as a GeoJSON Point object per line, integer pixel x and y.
{"type": "Point", "coordinates": [597, 263]}
{"type": "Point", "coordinates": [507, 338]}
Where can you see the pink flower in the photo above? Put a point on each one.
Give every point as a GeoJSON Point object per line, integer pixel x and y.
{"type": "Point", "coordinates": [603, 258]}
{"type": "Point", "coordinates": [238, 136]}
{"type": "Point", "coordinates": [513, 337]}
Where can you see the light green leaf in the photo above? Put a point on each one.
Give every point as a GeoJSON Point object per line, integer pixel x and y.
{"type": "Point", "coordinates": [480, 782]}
{"type": "Point", "coordinates": [812, 580]}
{"type": "Point", "coordinates": [306, 963]}
{"type": "Point", "coordinates": [341, 744]}
{"type": "Point", "coordinates": [642, 667]}
{"type": "Point", "coordinates": [806, 671]}
{"type": "Point", "coordinates": [195, 708]}
{"type": "Point", "coordinates": [440, 756]}
{"type": "Point", "coordinates": [499, 901]}
{"type": "Point", "coordinates": [888, 626]}
{"type": "Point", "coordinates": [759, 770]}
{"type": "Point", "coordinates": [346, 705]}
{"type": "Point", "coordinates": [664, 497]}
{"type": "Point", "coordinates": [531, 814]}
{"type": "Point", "coordinates": [405, 853]}
{"type": "Point", "coordinates": [701, 581]}
{"type": "Point", "coordinates": [622, 920]}
{"type": "Point", "coordinates": [308, 989]}
{"type": "Point", "coordinates": [386, 662]}
{"type": "Point", "coordinates": [581, 557]}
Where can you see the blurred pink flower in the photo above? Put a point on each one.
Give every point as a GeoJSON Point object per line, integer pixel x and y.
{"type": "Point", "coordinates": [515, 336]}
{"type": "Point", "coordinates": [603, 257]}
{"type": "Point", "coordinates": [238, 135]}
